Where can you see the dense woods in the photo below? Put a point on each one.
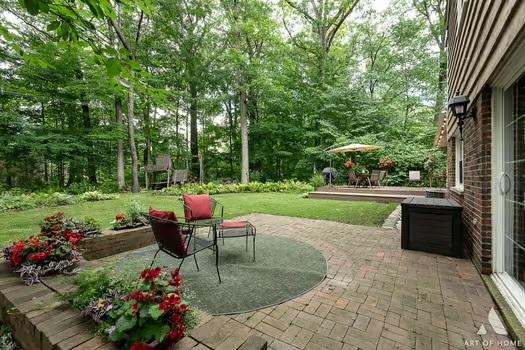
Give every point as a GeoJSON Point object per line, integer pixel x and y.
{"type": "Point", "coordinates": [92, 91]}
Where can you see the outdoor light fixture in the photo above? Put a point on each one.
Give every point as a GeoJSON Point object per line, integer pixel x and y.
{"type": "Point", "coordinates": [458, 106]}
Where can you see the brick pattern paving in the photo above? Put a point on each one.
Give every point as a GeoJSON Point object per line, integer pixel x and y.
{"type": "Point", "coordinates": [376, 296]}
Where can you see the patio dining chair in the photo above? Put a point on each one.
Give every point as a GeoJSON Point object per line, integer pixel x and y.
{"type": "Point", "coordinates": [374, 178]}
{"type": "Point", "coordinates": [382, 176]}
{"type": "Point", "coordinates": [202, 209]}
{"type": "Point", "coordinates": [179, 241]}
{"type": "Point", "coordinates": [352, 179]}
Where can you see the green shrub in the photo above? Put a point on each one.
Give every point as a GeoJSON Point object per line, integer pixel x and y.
{"type": "Point", "coordinates": [317, 181]}
{"type": "Point", "coordinates": [289, 186]}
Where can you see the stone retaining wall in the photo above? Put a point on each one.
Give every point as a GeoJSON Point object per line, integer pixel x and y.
{"type": "Point", "coordinates": [112, 242]}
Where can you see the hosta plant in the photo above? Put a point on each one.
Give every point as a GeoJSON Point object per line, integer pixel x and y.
{"type": "Point", "coordinates": [153, 310]}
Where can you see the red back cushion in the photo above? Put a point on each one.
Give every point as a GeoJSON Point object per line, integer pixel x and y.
{"type": "Point", "coordinates": [200, 205]}
{"type": "Point", "coordinates": [164, 215]}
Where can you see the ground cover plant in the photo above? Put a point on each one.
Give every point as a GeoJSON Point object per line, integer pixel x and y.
{"type": "Point", "coordinates": [289, 186]}
{"type": "Point", "coordinates": [14, 225]}
{"type": "Point", "coordinates": [13, 200]}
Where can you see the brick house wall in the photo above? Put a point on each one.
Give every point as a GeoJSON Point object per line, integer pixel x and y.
{"type": "Point", "coordinates": [476, 197]}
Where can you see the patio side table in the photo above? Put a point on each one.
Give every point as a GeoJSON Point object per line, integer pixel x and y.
{"type": "Point", "coordinates": [240, 228]}
{"type": "Point", "coordinates": [432, 225]}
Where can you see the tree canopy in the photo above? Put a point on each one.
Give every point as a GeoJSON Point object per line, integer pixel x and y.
{"type": "Point", "coordinates": [92, 91]}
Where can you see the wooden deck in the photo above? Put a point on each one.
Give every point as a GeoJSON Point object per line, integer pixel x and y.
{"type": "Point", "coordinates": [386, 194]}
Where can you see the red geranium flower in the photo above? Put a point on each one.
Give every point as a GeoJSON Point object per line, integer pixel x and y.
{"type": "Point", "coordinates": [140, 297]}
{"type": "Point", "coordinates": [141, 346]}
{"type": "Point", "coordinates": [120, 217]}
{"type": "Point", "coordinates": [38, 257]}
{"type": "Point", "coordinates": [73, 237]}
{"type": "Point", "coordinates": [149, 275]}
{"type": "Point", "coordinates": [171, 302]}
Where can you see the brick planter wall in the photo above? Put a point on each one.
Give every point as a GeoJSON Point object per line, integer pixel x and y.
{"type": "Point", "coordinates": [114, 242]}
{"type": "Point", "coordinates": [476, 197]}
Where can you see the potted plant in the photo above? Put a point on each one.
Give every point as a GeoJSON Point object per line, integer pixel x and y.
{"type": "Point", "coordinates": [386, 164]}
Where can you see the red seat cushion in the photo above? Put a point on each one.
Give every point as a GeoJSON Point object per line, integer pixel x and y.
{"type": "Point", "coordinates": [164, 215]}
{"type": "Point", "coordinates": [200, 205]}
{"type": "Point", "coordinates": [234, 224]}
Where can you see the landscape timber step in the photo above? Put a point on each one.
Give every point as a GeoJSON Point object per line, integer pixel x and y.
{"type": "Point", "coordinates": [356, 196]}
{"type": "Point", "coordinates": [41, 320]}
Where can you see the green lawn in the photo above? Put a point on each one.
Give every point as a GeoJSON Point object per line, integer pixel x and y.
{"type": "Point", "coordinates": [14, 225]}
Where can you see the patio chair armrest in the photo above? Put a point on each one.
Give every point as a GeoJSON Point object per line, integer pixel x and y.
{"type": "Point", "coordinates": [214, 209]}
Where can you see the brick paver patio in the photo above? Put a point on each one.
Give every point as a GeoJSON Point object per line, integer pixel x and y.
{"type": "Point", "coordinates": [376, 296]}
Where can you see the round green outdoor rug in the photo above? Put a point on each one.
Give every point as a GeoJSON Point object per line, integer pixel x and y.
{"type": "Point", "coordinates": [284, 269]}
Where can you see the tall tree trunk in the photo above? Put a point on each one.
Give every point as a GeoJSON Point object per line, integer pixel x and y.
{"type": "Point", "coordinates": [92, 162]}
{"type": "Point", "coordinates": [46, 168]}
{"type": "Point", "coordinates": [245, 157]}
{"type": "Point", "coordinates": [230, 133]}
{"type": "Point", "coordinates": [135, 185]}
{"type": "Point", "coordinates": [121, 174]}
{"type": "Point", "coordinates": [194, 137]}
{"type": "Point", "coordinates": [147, 134]}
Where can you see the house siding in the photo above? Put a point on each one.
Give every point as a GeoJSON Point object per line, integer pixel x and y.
{"type": "Point", "coordinates": [488, 31]}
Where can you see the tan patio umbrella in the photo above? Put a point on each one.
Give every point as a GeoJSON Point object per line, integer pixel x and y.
{"type": "Point", "coordinates": [354, 147]}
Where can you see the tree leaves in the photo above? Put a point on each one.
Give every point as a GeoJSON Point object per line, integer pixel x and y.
{"type": "Point", "coordinates": [113, 67]}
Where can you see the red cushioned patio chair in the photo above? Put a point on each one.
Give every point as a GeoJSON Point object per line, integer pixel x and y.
{"type": "Point", "coordinates": [202, 209]}
{"type": "Point", "coordinates": [179, 240]}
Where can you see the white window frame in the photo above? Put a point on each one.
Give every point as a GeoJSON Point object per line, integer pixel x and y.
{"type": "Point", "coordinates": [509, 288]}
{"type": "Point", "coordinates": [459, 161]}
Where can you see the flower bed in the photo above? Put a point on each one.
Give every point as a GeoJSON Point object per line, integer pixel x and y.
{"type": "Point", "coordinates": [133, 313]}
{"type": "Point", "coordinates": [54, 250]}
{"type": "Point", "coordinates": [134, 217]}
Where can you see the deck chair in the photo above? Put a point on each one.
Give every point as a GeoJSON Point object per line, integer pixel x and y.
{"type": "Point", "coordinates": [179, 241]}
{"type": "Point", "coordinates": [180, 176]}
{"type": "Point", "coordinates": [382, 176]}
{"type": "Point", "coordinates": [373, 180]}
{"type": "Point", "coordinates": [352, 179]}
{"type": "Point", "coordinates": [162, 164]}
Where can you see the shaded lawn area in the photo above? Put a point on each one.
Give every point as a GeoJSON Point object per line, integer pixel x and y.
{"type": "Point", "coordinates": [21, 224]}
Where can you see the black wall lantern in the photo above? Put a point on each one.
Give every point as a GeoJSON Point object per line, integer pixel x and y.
{"type": "Point", "coordinates": [458, 106]}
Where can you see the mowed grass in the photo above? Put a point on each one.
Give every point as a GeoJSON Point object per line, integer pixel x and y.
{"type": "Point", "coordinates": [21, 224]}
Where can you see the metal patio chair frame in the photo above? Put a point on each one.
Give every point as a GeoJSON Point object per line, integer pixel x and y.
{"type": "Point", "coordinates": [214, 220]}
{"type": "Point", "coordinates": [248, 230]}
{"type": "Point", "coordinates": [166, 233]}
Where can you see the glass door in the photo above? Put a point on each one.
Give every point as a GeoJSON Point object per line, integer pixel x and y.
{"type": "Point", "coordinates": [512, 183]}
